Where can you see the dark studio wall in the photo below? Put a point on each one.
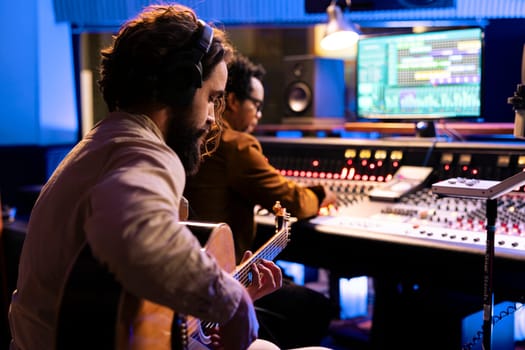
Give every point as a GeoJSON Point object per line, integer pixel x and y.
{"type": "Point", "coordinates": [504, 40]}
{"type": "Point", "coordinates": [268, 46]}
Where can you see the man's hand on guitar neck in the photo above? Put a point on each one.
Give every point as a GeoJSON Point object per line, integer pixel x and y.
{"type": "Point", "coordinates": [267, 277]}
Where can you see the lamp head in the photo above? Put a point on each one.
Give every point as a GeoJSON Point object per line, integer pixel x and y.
{"type": "Point", "coordinates": [339, 34]}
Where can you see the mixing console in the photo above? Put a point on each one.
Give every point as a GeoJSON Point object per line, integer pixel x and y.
{"type": "Point", "coordinates": [424, 216]}
{"type": "Point", "coordinates": [419, 224]}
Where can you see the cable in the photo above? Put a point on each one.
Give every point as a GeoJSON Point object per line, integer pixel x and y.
{"type": "Point", "coordinates": [479, 334]}
{"type": "Point", "coordinates": [429, 153]}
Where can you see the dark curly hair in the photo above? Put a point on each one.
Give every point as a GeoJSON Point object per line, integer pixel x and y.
{"type": "Point", "coordinates": [149, 63]}
{"type": "Point", "coordinates": [240, 71]}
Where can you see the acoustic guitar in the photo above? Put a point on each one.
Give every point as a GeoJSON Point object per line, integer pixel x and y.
{"type": "Point", "coordinates": [97, 313]}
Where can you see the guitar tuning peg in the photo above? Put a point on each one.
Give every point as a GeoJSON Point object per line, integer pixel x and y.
{"type": "Point", "coordinates": [278, 210]}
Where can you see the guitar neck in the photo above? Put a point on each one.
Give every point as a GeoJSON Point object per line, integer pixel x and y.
{"type": "Point", "coordinates": [268, 251]}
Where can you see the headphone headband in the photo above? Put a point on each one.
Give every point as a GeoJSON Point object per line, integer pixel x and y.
{"type": "Point", "coordinates": [186, 67]}
{"type": "Point", "coordinates": [205, 39]}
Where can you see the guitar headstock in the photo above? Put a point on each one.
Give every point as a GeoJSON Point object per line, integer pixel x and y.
{"type": "Point", "coordinates": [271, 248]}
{"type": "Point", "coordinates": [282, 217]}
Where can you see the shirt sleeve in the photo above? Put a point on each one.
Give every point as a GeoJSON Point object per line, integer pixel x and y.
{"type": "Point", "coordinates": [133, 227]}
{"type": "Point", "coordinates": [256, 179]}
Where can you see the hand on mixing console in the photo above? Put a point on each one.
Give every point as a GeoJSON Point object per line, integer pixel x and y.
{"type": "Point", "coordinates": [329, 210]}
{"type": "Point", "coordinates": [330, 199]}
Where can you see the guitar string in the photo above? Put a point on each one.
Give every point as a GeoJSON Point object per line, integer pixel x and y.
{"type": "Point", "coordinates": [272, 253]}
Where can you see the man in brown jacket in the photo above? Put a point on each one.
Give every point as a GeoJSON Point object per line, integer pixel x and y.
{"type": "Point", "coordinates": [238, 175]}
{"type": "Point", "coordinates": [236, 178]}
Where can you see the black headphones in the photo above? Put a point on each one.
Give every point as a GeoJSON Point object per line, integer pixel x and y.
{"type": "Point", "coordinates": [186, 72]}
{"type": "Point", "coordinates": [202, 46]}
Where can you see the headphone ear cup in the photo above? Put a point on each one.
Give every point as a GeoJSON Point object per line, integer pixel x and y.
{"type": "Point", "coordinates": [184, 77]}
{"type": "Point", "coordinates": [188, 73]}
{"type": "Point", "coordinates": [184, 70]}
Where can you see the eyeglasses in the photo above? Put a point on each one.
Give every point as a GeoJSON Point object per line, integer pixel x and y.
{"type": "Point", "coordinates": [257, 103]}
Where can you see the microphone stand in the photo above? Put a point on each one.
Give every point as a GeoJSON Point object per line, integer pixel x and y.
{"type": "Point", "coordinates": [488, 300]}
{"type": "Point", "coordinates": [490, 191]}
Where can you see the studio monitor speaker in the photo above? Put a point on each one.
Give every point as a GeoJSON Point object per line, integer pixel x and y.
{"type": "Point", "coordinates": [314, 90]}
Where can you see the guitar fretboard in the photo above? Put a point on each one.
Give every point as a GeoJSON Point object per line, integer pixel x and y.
{"type": "Point", "coordinates": [268, 252]}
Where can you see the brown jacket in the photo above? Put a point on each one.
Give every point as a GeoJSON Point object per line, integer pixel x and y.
{"type": "Point", "coordinates": [236, 178]}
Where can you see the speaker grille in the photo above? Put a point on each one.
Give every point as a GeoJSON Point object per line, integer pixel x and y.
{"type": "Point", "coordinates": [314, 89]}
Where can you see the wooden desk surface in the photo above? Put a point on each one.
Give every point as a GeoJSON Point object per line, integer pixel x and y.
{"type": "Point", "coordinates": [403, 128]}
{"type": "Point", "coordinates": [441, 127]}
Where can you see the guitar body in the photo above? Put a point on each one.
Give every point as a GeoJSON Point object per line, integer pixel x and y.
{"type": "Point", "coordinates": [97, 313]}
{"type": "Point", "coordinates": [145, 325]}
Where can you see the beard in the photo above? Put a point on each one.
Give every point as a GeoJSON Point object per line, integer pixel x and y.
{"type": "Point", "coordinates": [185, 140]}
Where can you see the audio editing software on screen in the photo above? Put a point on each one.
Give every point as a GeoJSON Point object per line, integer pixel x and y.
{"type": "Point", "coordinates": [434, 74]}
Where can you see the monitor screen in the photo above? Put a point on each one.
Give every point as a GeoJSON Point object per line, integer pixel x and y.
{"type": "Point", "coordinates": [431, 75]}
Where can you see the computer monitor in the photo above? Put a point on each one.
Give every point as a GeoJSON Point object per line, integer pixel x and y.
{"type": "Point", "coordinates": [420, 76]}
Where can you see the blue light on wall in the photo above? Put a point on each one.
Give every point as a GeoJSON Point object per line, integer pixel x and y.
{"type": "Point", "coordinates": [37, 93]}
